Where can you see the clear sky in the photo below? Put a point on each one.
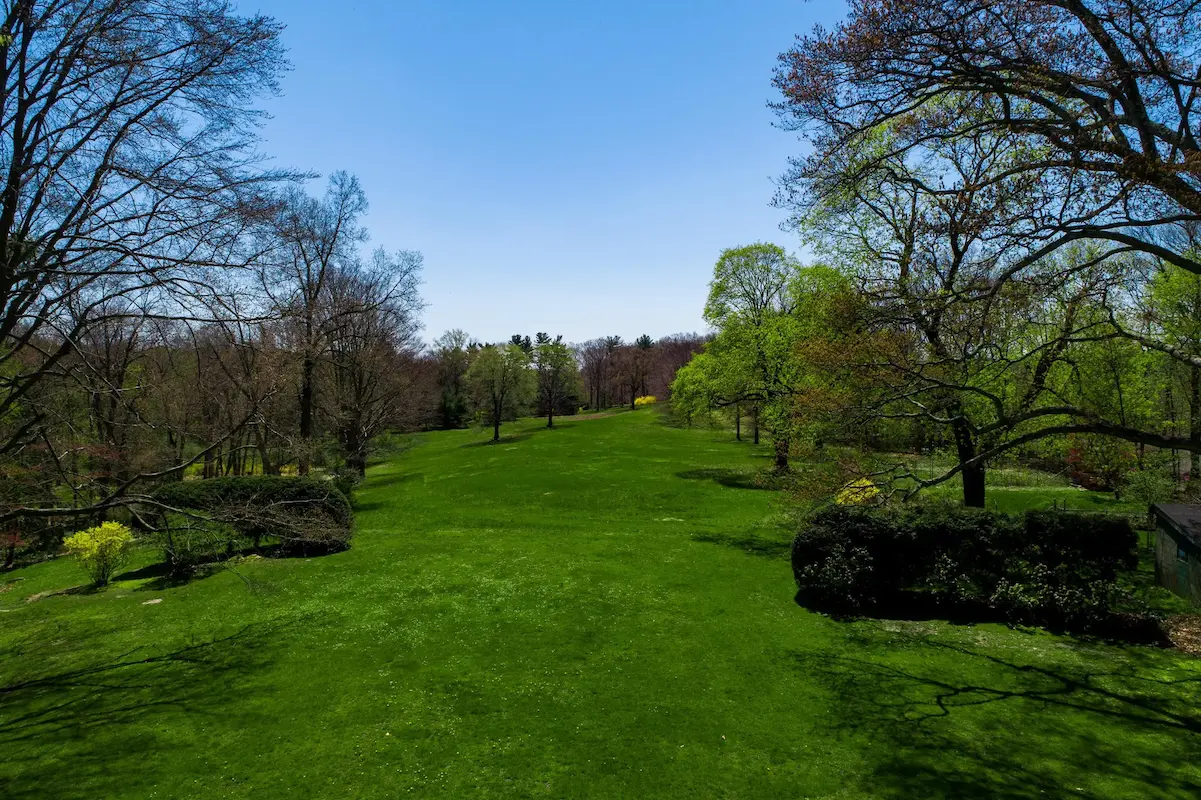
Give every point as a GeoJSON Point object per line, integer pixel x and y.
{"type": "Point", "coordinates": [564, 166]}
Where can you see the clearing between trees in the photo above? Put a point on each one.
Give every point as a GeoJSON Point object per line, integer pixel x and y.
{"type": "Point", "coordinates": [601, 609]}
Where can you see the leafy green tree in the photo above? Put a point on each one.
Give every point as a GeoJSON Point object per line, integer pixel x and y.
{"type": "Point", "coordinates": [1174, 309]}
{"type": "Point", "coordinates": [750, 361]}
{"type": "Point", "coordinates": [500, 383]}
{"type": "Point", "coordinates": [556, 371]}
{"type": "Point", "coordinates": [452, 352]}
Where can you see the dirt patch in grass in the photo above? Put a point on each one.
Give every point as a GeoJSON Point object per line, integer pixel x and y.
{"type": "Point", "coordinates": [1185, 633]}
{"type": "Point", "coordinates": [33, 598]}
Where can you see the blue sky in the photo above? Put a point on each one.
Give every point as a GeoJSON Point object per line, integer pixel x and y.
{"type": "Point", "coordinates": [568, 167]}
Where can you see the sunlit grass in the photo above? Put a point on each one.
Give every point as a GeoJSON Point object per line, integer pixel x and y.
{"type": "Point", "coordinates": [600, 610]}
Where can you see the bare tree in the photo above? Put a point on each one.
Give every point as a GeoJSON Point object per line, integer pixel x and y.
{"type": "Point", "coordinates": [372, 349]}
{"type": "Point", "coordinates": [129, 170]}
{"type": "Point", "coordinates": [312, 239]}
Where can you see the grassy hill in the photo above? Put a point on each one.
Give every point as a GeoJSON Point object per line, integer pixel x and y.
{"type": "Point", "coordinates": [600, 610]}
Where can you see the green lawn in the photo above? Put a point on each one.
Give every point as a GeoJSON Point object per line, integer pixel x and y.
{"type": "Point", "coordinates": [601, 610]}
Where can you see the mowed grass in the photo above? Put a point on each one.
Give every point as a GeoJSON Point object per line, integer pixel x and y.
{"type": "Point", "coordinates": [601, 610]}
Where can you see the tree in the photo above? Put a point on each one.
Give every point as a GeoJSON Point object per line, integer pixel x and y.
{"type": "Point", "coordinates": [1173, 309]}
{"type": "Point", "coordinates": [500, 383]}
{"type": "Point", "coordinates": [630, 363]}
{"type": "Point", "coordinates": [750, 360]}
{"type": "Point", "coordinates": [750, 282]}
{"type": "Point", "coordinates": [130, 173]}
{"type": "Point", "coordinates": [598, 357]}
{"type": "Point", "coordinates": [555, 367]}
{"type": "Point", "coordinates": [311, 239]}
{"type": "Point", "coordinates": [1001, 240]}
{"type": "Point", "coordinates": [373, 350]}
{"type": "Point", "coordinates": [451, 350]}
{"type": "Point", "coordinates": [671, 353]}
{"type": "Point", "coordinates": [1103, 91]}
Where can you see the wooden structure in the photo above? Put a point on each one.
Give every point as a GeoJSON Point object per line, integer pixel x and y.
{"type": "Point", "coordinates": [1178, 548]}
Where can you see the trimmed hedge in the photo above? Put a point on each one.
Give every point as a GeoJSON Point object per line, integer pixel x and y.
{"type": "Point", "coordinates": [305, 514]}
{"type": "Point", "coordinates": [1057, 569]}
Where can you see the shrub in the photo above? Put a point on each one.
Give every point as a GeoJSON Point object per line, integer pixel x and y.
{"type": "Point", "coordinates": [346, 481]}
{"type": "Point", "coordinates": [306, 514]}
{"type": "Point", "coordinates": [647, 400]}
{"type": "Point", "coordinates": [187, 544]}
{"type": "Point", "coordinates": [1148, 486]}
{"type": "Point", "coordinates": [101, 550]}
{"type": "Point", "coordinates": [1050, 568]}
{"type": "Point", "coordinates": [860, 492]}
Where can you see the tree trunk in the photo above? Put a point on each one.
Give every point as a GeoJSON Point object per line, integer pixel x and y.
{"type": "Point", "coordinates": [1194, 470]}
{"type": "Point", "coordinates": [973, 486]}
{"type": "Point", "coordinates": [355, 449]}
{"type": "Point", "coordinates": [755, 423]}
{"type": "Point", "coordinates": [306, 412]}
{"type": "Point", "coordinates": [550, 415]}
{"type": "Point", "coordinates": [260, 440]}
{"type": "Point", "coordinates": [973, 475]}
{"type": "Point", "coordinates": [782, 446]}
{"type": "Point", "coordinates": [738, 422]}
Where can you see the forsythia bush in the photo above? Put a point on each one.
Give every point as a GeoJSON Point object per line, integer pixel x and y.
{"type": "Point", "coordinates": [648, 400]}
{"type": "Point", "coordinates": [102, 550]}
{"type": "Point", "coordinates": [859, 493]}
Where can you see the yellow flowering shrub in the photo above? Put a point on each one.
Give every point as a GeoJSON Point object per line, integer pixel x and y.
{"type": "Point", "coordinates": [102, 550]}
{"type": "Point", "coordinates": [643, 402]}
{"type": "Point", "coordinates": [857, 493]}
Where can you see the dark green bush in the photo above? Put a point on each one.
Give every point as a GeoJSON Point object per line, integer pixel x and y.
{"type": "Point", "coordinates": [346, 481]}
{"type": "Point", "coordinates": [1057, 569]}
{"type": "Point", "coordinates": [307, 515]}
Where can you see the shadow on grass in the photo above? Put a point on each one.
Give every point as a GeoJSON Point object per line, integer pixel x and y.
{"type": "Point", "coordinates": [946, 720]}
{"type": "Point", "coordinates": [1117, 627]}
{"type": "Point", "coordinates": [732, 478]}
{"type": "Point", "coordinates": [509, 439]}
{"type": "Point", "coordinates": [668, 420]}
{"type": "Point", "coordinates": [106, 709]}
{"type": "Point", "coordinates": [754, 543]}
{"type": "Point", "coordinates": [159, 576]}
{"type": "Point", "coordinates": [393, 479]}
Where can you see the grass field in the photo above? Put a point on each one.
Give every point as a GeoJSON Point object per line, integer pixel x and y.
{"type": "Point", "coordinates": [600, 610]}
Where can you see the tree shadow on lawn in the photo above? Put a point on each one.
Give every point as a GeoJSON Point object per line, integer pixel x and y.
{"type": "Point", "coordinates": [730, 478]}
{"type": "Point", "coordinates": [504, 439]}
{"type": "Point", "coordinates": [159, 577]}
{"type": "Point", "coordinates": [75, 731]}
{"type": "Point", "coordinates": [392, 479]}
{"type": "Point", "coordinates": [1117, 627]}
{"type": "Point", "coordinates": [755, 543]}
{"type": "Point", "coordinates": [946, 720]}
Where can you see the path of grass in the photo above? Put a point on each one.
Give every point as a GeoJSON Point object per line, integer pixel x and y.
{"type": "Point", "coordinates": [602, 610]}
